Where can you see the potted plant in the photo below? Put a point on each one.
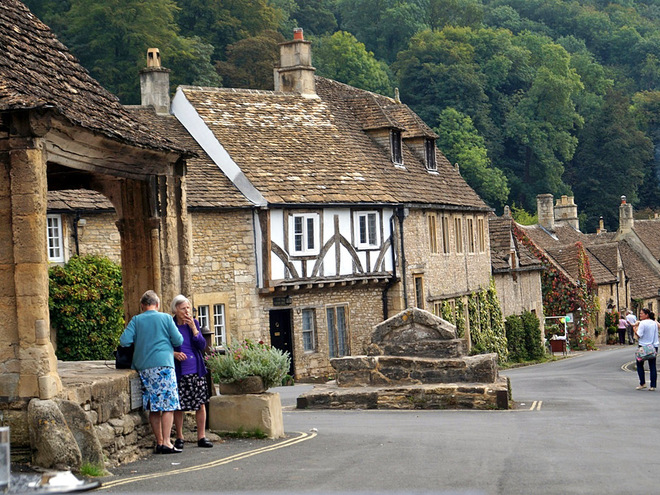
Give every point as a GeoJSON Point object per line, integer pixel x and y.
{"type": "Point", "coordinates": [248, 367]}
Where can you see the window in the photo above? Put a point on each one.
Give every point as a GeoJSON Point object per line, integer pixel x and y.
{"type": "Point", "coordinates": [445, 235]}
{"type": "Point", "coordinates": [308, 334]}
{"type": "Point", "coordinates": [433, 232]}
{"type": "Point", "coordinates": [203, 316]}
{"type": "Point", "coordinates": [304, 233]}
{"type": "Point", "coordinates": [470, 234]}
{"type": "Point", "coordinates": [366, 229]}
{"type": "Point", "coordinates": [219, 324]}
{"type": "Point", "coordinates": [395, 142]}
{"type": "Point", "coordinates": [419, 291]}
{"type": "Point", "coordinates": [481, 235]}
{"type": "Point", "coordinates": [458, 230]}
{"type": "Point", "coordinates": [430, 155]}
{"type": "Point", "coordinates": [337, 331]}
{"type": "Point", "coordinates": [55, 242]}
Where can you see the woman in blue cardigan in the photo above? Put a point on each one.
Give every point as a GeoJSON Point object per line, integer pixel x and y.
{"type": "Point", "coordinates": [155, 336]}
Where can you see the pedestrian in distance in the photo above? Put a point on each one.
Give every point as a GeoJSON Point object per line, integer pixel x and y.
{"type": "Point", "coordinates": [647, 332]}
{"type": "Point", "coordinates": [631, 319]}
{"type": "Point", "coordinates": [621, 329]}
{"type": "Point", "coordinates": [190, 372]}
{"type": "Point", "coordinates": [155, 335]}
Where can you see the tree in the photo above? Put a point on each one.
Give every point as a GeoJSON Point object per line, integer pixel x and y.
{"type": "Point", "coordinates": [315, 17]}
{"type": "Point", "coordinates": [611, 160]}
{"type": "Point", "coordinates": [462, 144]}
{"type": "Point", "coordinates": [249, 62]}
{"type": "Point", "coordinates": [343, 58]}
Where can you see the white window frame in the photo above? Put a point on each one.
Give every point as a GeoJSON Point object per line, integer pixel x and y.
{"type": "Point", "coordinates": [54, 233]}
{"type": "Point", "coordinates": [374, 234]}
{"type": "Point", "coordinates": [304, 234]}
{"type": "Point", "coordinates": [309, 329]}
{"type": "Point", "coordinates": [203, 316]}
{"type": "Point", "coordinates": [219, 325]}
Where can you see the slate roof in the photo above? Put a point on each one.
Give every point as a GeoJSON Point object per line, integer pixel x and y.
{"type": "Point", "coordinates": [607, 254]}
{"type": "Point", "coordinates": [644, 282]}
{"type": "Point", "coordinates": [500, 230]}
{"type": "Point", "coordinates": [561, 236]}
{"type": "Point", "coordinates": [300, 150]}
{"type": "Point", "coordinates": [648, 232]}
{"type": "Point", "coordinates": [79, 199]}
{"type": "Point", "coordinates": [37, 71]}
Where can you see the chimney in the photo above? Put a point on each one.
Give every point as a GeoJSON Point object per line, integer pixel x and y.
{"type": "Point", "coordinates": [626, 220]}
{"type": "Point", "coordinates": [601, 226]}
{"type": "Point", "coordinates": [566, 211]}
{"type": "Point", "coordinates": [155, 83]}
{"type": "Point", "coordinates": [507, 212]}
{"type": "Point", "coordinates": [545, 211]}
{"type": "Point", "coordinates": [295, 73]}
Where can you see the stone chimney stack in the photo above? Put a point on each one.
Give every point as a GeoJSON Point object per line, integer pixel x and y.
{"type": "Point", "coordinates": [601, 226]}
{"type": "Point", "coordinates": [566, 211]}
{"type": "Point", "coordinates": [626, 220]}
{"type": "Point", "coordinates": [155, 83]}
{"type": "Point", "coordinates": [295, 73]}
{"type": "Point", "coordinates": [545, 211]}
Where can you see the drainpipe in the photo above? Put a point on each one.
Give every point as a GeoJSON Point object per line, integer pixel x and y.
{"type": "Point", "coordinates": [392, 279]}
{"type": "Point", "coordinates": [75, 232]}
{"type": "Point", "coordinates": [400, 213]}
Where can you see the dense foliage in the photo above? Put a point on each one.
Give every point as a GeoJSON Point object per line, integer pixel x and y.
{"type": "Point", "coordinates": [528, 96]}
{"type": "Point", "coordinates": [86, 308]}
{"type": "Point", "coordinates": [523, 336]}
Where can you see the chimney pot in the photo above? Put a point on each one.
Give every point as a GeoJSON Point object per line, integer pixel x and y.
{"type": "Point", "coordinates": [298, 34]}
{"type": "Point", "coordinates": [153, 57]}
{"type": "Point", "coordinates": [623, 200]}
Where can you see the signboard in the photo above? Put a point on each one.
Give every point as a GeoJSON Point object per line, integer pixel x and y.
{"type": "Point", "coordinates": [136, 393]}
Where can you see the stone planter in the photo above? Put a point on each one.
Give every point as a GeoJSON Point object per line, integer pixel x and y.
{"type": "Point", "coordinates": [231, 413]}
{"type": "Point", "coordinates": [250, 385]}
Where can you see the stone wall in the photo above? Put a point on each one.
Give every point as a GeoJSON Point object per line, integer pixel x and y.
{"type": "Point", "coordinates": [99, 236]}
{"type": "Point", "coordinates": [522, 293]}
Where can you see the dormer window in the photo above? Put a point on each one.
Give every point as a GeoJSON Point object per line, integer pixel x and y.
{"type": "Point", "coordinates": [431, 164]}
{"type": "Point", "coordinates": [395, 145]}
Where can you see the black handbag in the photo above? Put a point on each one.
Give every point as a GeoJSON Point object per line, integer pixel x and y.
{"type": "Point", "coordinates": [124, 357]}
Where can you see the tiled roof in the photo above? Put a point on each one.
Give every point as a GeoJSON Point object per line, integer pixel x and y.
{"type": "Point", "coordinates": [644, 282]}
{"type": "Point", "coordinates": [567, 257]}
{"type": "Point", "coordinates": [561, 236]}
{"type": "Point", "coordinates": [206, 185]}
{"type": "Point", "coordinates": [300, 150]}
{"type": "Point", "coordinates": [607, 254]}
{"type": "Point", "coordinates": [37, 71]}
{"type": "Point", "coordinates": [648, 232]}
{"type": "Point", "coordinates": [502, 240]}
{"type": "Point", "coordinates": [79, 199]}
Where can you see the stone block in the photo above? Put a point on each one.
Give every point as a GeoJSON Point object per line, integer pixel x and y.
{"type": "Point", "coordinates": [105, 434]}
{"type": "Point", "coordinates": [353, 363]}
{"type": "Point", "coordinates": [354, 378]}
{"type": "Point", "coordinates": [49, 386]}
{"type": "Point", "coordinates": [412, 325]}
{"type": "Point", "coordinates": [249, 412]}
{"type": "Point", "coordinates": [83, 431]}
{"type": "Point", "coordinates": [53, 444]}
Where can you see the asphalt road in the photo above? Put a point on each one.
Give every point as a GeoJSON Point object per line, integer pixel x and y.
{"type": "Point", "coordinates": [579, 427]}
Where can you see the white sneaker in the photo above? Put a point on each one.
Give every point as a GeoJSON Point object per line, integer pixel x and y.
{"type": "Point", "coordinates": [641, 387]}
{"type": "Point", "coordinates": [651, 389]}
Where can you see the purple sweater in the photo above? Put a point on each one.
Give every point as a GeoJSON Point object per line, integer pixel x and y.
{"type": "Point", "coordinates": [194, 349]}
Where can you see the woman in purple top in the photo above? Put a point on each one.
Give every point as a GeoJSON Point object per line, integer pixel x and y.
{"type": "Point", "coordinates": [190, 372]}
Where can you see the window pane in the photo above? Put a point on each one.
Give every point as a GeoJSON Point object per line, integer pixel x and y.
{"type": "Point", "coordinates": [363, 229]}
{"type": "Point", "coordinates": [332, 341]}
{"type": "Point", "coordinates": [298, 233]}
{"type": "Point", "coordinates": [308, 329]}
{"type": "Point", "coordinates": [342, 344]}
{"type": "Point", "coordinates": [203, 316]}
{"type": "Point", "coordinates": [54, 234]}
{"type": "Point", "coordinates": [372, 229]}
{"type": "Point", "coordinates": [219, 324]}
{"type": "Point", "coordinates": [310, 233]}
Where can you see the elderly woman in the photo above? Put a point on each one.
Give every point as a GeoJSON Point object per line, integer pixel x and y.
{"type": "Point", "coordinates": [190, 372]}
{"type": "Point", "coordinates": [155, 336]}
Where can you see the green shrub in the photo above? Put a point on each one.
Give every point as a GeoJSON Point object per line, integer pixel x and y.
{"type": "Point", "coordinates": [515, 337]}
{"type": "Point", "coordinates": [86, 308]}
{"type": "Point", "coordinates": [247, 358]}
{"type": "Point", "coordinates": [533, 340]}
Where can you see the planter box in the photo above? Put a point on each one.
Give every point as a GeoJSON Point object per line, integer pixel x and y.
{"type": "Point", "coordinates": [229, 413]}
{"type": "Point", "coordinates": [558, 346]}
{"type": "Point", "coordinates": [250, 385]}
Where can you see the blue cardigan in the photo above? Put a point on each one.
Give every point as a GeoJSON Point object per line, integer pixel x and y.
{"type": "Point", "coordinates": [155, 335]}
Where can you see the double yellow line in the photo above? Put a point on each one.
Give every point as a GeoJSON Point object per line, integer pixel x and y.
{"type": "Point", "coordinates": [536, 405]}
{"type": "Point", "coordinates": [302, 437]}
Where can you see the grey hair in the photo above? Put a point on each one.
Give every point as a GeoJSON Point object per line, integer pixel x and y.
{"type": "Point", "coordinates": [178, 300]}
{"type": "Point", "coordinates": [150, 298]}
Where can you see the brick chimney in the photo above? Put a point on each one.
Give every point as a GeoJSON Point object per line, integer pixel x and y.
{"type": "Point", "coordinates": [566, 211]}
{"type": "Point", "coordinates": [155, 83]}
{"type": "Point", "coordinates": [295, 73]}
{"type": "Point", "coordinates": [626, 220]}
{"type": "Point", "coordinates": [545, 211]}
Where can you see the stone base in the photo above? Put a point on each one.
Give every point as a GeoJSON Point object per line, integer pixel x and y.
{"type": "Point", "coordinates": [229, 413]}
{"type": "Point", "coordinates": [426, 396]}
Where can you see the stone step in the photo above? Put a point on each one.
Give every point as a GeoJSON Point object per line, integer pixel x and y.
{"type": "Point", "coordinates": [451, 348]}
{"type": "Point", "coordinates": [355, 371]}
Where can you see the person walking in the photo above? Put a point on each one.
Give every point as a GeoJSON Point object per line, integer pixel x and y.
{"type": "Point", "coordinates": [190, 372]}
{"type": "Point", "coordinates": [647, 331]}
{"type": "Point", "coordinates": [155, 335]}
{"type": "Point", "coordinates": [631, 319]}
{"type": "Point", "coordinates": [621, 329]}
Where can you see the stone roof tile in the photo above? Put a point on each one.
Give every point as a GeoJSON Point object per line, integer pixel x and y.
{"type": "Point", "coordinates": [649, 233]}
{"type": "Point", "coordinates": [644, 282]}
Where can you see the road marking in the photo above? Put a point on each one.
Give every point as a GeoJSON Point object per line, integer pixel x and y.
{"type": "Point", "coordinates": [219, 462]}
{"type": "Point", "coordinates": [536, 405]}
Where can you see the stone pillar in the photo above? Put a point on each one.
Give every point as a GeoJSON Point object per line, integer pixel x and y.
{"type": "Point", "coordinates": [545, 211]}
{"type": "Point", "coordinates": [566, 211]}
{"type": "Point", "coordinates": [28, 366]}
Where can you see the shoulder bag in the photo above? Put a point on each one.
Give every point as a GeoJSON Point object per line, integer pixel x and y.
{"type": "Point", "coordinates": [644, 352]}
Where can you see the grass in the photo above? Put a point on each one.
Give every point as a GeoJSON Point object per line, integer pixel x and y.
{"type": "Point", "coordinates": [243, 433]}
{"type": "Point", "coordinates": [92, 470]}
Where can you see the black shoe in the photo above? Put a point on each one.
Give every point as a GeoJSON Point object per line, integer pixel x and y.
{"type": "Point", "coordinates": [178, 443]}
{"type": "Point", "coordinates": [205, 443]}
{"type": "Point", "coordinates": [169, 450]}
{"type": "Point", "coordinates": [158, 449]}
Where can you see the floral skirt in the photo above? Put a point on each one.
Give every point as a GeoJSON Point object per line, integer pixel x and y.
{"type": "Point", "coordinates": [159, 391]}
{"type": "Point", "coordinates": [193, 392]}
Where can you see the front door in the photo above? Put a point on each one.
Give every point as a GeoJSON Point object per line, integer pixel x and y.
{"type": "Point", "coordinates": [280, 332]}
